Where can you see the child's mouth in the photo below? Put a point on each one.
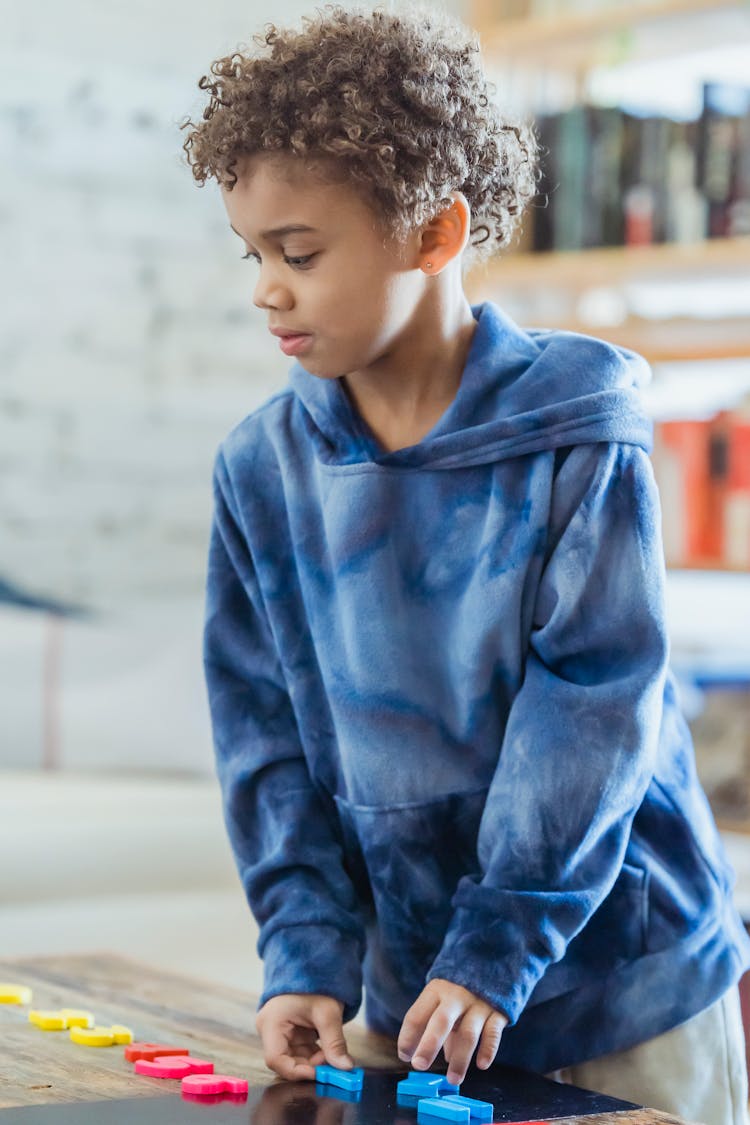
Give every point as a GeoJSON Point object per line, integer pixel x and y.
{"type": "Point", "coordinates": [293, 345]}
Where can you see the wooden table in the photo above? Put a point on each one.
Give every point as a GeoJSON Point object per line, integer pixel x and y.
{"type": "Point", "coordinates": [213, 1021]}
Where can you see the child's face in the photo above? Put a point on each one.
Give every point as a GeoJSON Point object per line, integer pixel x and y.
{"type": "Point", "coordinates": [356, 290]}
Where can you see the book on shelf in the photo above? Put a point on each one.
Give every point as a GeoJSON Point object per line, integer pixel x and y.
{"type": "Point", "coordinates": [739, 208]}
{"type": "Point", "coordinates": [615, 178]}
{"type": "Point", "coordinates": [539, 214]}
{"type": "Point", "coordinates": [723, 173]}
{"type": "Point", "coordinates": [687, 208]}
{"type": "Point", "coordinates": [604, 223]}
{"type": "Point", "coordinates": [643, 178]}
{"type": "Point", "coordinates": [702, 467]}
{"type": "Point", "coordinates": [571, 162]}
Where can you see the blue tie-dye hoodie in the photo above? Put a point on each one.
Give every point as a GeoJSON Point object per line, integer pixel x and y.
{"type": "Point", "coordinates": [446, 736]}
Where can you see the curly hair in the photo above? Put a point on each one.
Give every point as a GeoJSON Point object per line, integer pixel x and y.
{"type": "Point", "coordinates": [397, 105]}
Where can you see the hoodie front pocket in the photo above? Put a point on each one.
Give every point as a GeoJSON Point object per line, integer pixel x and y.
{"type": "Point", "coordinates": [415, 855]}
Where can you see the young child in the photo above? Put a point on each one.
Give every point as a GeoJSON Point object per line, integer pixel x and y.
{"type": "Point", "coordinates": [451, 755]}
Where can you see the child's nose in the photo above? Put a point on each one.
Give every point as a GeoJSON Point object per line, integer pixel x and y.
{"type": "Point", "coordinates": [271, 292]}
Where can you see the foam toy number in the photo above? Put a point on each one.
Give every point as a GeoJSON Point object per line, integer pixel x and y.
{"type": "Point", "coordinates": [14, 993]}
{"type": "Point", "coordinates": [152, 1051]}
{"type": "Point", "coordinates": [478, 1111]}
{"type": "Point", "coordinates": [346, 1079]}
{"type": "Point", "coordinates": [430, 1108]}
{"type": "Point", "coordinates": [48, 1021]}
{"type": "Point", "coordinates": [207, 1085]}
{"type": "Point", "coordinates": [77, 1017]}
{"type": "Point", "coordinates": [423, 1084]}
{"type": "Point", "coordinates": [101, 1036]}
{"type": "Point", "coordinates": [61, 1019]}
{"type": "Point", "coordinates": [172, 1066]}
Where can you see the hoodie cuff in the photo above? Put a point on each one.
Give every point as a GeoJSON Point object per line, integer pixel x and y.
{"type": "Point", "coordinates": [313, 959]}
{"type": "Point", "coordinates": [494, 962]}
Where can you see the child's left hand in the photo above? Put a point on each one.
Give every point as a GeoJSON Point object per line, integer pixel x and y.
{"type": "Point", "coordinates": [449, 1016]}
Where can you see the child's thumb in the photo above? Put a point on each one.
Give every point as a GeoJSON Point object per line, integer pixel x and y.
{"type": "Point", "coordinates": [332, 1042]}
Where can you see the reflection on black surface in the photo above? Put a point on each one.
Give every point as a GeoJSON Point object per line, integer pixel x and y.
{"type": "Point", "coordinates": [322, 1091]}
{"type": "Point", "coordinates": [297, 1103]}
{"type": "Point", "coordinates": [301, 1103]}
{"type": "Point", "coordinates": [516, 1094]}
{"type": "Point", "coordinates": [214, 1099]}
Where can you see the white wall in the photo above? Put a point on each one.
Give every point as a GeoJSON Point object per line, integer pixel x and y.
{"type": "Point", "coordinates": [128, 341]}
{"type": "Point", "coordinates": [128, 337]}
{"type": "Point", "coordinates": [128, 347]}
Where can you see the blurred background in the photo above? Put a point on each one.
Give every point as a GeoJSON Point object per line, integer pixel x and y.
{"type": "Point", "coordinates": [129, 346]}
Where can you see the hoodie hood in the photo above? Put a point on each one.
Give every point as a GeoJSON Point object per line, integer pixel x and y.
{"type": "Point", "coordinates": [522, 391]}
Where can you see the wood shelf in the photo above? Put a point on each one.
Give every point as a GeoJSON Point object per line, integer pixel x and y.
{"type": "Point", "coordinates": [728, 824]}
{"type": "Point", "coordinates": [582, 39]}
{"type": "Point", "coordinates": [668, 340]}
{"type": "Point", "coordinates": [659, 340]}
{"type": "Point", "coordinates": [709, 564]}
{"type": "Point", "coordinates": [610, 265]}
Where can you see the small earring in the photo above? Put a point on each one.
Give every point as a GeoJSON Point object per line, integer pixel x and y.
{"type": "Point", "coordinates": [428, 265]}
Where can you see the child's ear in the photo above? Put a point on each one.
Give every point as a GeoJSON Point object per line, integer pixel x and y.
{"type": "Point", "coordinates": [445, 236]}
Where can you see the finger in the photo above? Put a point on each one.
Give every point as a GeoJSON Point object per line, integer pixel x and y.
{"type": "Point", "coordinates": [313, 1055]}
{"type": "Point", "coordinates": [490, 1040]}
{"type": "Point", "coordinates": [464, 1039]}
{"type": "Point", "coordinates": [438, 1028]}
{"type": "Point", "coordinates": [331, 1035]}
{"type": "Point", "coordinates": [280, 1057]}
{"type": "Point", "coordinates": [300, 1071]}
{"type": "Point", "coordinates": [304, 1040]}
{"type": "Point", "coordinates": [415, 1021]}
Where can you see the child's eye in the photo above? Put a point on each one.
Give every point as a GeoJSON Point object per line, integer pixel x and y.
{"type": "Point", "coordinates": [289, 261]}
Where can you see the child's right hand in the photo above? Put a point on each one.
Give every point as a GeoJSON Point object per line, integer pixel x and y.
{"type": "Point", "coordinates": [300, 1032]}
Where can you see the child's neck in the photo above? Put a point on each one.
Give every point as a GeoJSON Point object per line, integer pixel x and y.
{"type": "Point", "coordinates": [404, 396]}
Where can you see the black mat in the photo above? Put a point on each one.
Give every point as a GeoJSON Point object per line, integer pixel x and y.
{"type": "Point", "coordinates": [517, 1095]}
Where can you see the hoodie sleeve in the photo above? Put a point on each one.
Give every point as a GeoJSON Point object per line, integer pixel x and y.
{"type": "Point", "coordinates": [280, 827]}
{"type": "Point", "coordinates": [579, 748]}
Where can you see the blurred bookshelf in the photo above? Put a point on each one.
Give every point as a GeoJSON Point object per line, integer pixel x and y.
{"type": "Point", "coordinates": [640, 233]}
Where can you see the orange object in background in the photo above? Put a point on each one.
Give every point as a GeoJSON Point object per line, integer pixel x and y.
{"type": "Point", "coordinates": [702, 468]}
{"type": "Point", "coordinates": [682, 465]}
{"type": "Point", "coordinates": [736, 523]}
